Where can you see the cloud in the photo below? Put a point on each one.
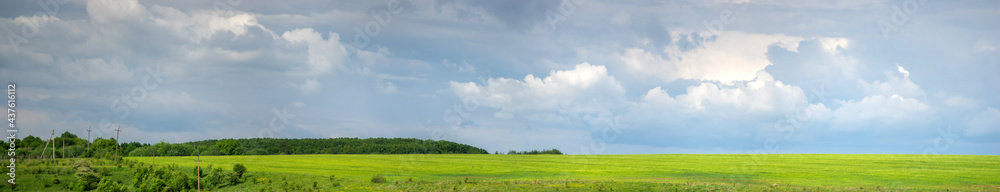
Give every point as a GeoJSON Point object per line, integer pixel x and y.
{"type": "Point", "coordinates": [763, 94]}
{"type": "Point", "coordinates": [728, 57]}
{"type": "Point", "coordinates": [388, 87]}
{"type": "Point", "coordinates": [960, 102]}
{"type": "Point", "coordinates": [817, 62]}
{"type": "Point", "coordinates": [984, 123]}
{"type": "Point", "coordinates": [114, 11]}
{"type": "Point", "coordinates": [880, 112]}
{"type": "Point", "coordinates": [95, 70]}
{"type": "Point", "coordinates": [906, 74]}
{"type": "Point", "coordinates": [201, 25]}
{"type": "Point", "coordinates": [310, 86]}
{"type": "Point", "coordinates": [647, 62]}
{"type": "Point", "coordinates": [586, 89]}
{"type": "Point", "coordinates": [894, 86]}
{"type": "Point", "coordinates": [324, 55]}
{"type": "Point", "coordinates": [463, 67]}
{"type": "Point", "coordinates": [893, 103]}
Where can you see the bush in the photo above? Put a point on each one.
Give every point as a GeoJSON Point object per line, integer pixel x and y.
{"type": "Point", "coordinates": [262, 181]}
{"type": "Point", "coordinates": [88, 178]}
{"type": "Point", "coordinates": [194, 171]}
{"type": "Point", "coordinates": [232, 178]}
{"type": "Point", "coordinates": [239, 169]}
{"type": "Point", "coordinates": [378, 179]}
{"type": "Point", "coordinates": [152, 184]}
{"type": "Point", "coordinates": [107, 185]}
{"type": "Point", "coordinates": [180, 182]}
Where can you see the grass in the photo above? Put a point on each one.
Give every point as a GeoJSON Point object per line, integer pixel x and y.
{"type": "Point", "coordinates": [58, 175]}
{"type": "Point", "coordinates": [794, 172]}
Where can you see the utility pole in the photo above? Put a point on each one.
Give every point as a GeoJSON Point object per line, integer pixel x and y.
{"type": "Point", "coordinates": [88, 137]}
{"type": "Point", "coordinates": [52, 137]}
{"type": "Point", "coordinates": [117, 132]}
{"type": "Point", "coordinates": [47, 145]}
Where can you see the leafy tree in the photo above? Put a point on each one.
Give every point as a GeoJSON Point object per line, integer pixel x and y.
{"type": "Point", "coordinates": [69, 137]}
{"type": "Point", "coordinates": [102, 143]}
{"type": "Point", "coordinates": [229, 147]}
{"type": "Point", "coordinates": [32, 142]}
{"type": "Point", "coordinates": [142, 152]}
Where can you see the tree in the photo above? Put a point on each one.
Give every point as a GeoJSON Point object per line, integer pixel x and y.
{"type": "Point", "coordinates": [32, 142]}
{"type": "Point", "coordinates": [229, 147]}
{"type": "Point", "coordinates": [102, 143]}
{"type": "Point", "coordinates": [69, 137]}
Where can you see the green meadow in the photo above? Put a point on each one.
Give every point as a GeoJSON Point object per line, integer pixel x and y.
{"type": "Point", "coordinates": [661, 172]}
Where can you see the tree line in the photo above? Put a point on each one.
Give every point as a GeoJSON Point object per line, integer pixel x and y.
{"type": "Point", "coordinates": [533, 152]}
{"type": "Point", "coordinates": [33, 147]}
{"type": "Point", "coordinates": [281, 146]}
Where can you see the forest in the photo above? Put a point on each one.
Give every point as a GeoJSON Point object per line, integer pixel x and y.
{"type": "Point", "coordinates": [68, 145]}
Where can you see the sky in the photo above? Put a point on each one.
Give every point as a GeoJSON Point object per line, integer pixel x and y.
{"type": "Point", "coordinates": [581, 76]}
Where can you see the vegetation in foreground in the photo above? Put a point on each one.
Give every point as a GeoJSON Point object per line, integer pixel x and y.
{"type": "Point", "coordinates": [667, 172]}
{"type": "Point", "coordinates": [784, 172]}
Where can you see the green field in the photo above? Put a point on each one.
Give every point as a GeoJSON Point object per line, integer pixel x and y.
{"type": "Point", "coordinates": [615, 172]}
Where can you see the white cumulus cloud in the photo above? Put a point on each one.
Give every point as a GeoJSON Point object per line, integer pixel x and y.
{"type": "Point", "coordinates": [732, 56]}
{"type": "Point", "coordinates": [763, 94]}
{"type": "Point", "coordinates": [324, 54]}
{"type": "Point", "coordinates": [583, 90]}
{"type": "Point", "coordinates": [113, 11]}
{"type": "Point", "coordinates": [880, 111]}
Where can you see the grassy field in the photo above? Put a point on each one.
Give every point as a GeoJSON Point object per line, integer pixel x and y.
{"type": "Point", "coordinates": [614, 172]}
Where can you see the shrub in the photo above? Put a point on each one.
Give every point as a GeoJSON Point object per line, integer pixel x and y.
{"type": "Point", "coordinates": [153, 184]}
{"type": "Point", "coordinates": [239, 169]}
{"type": "Point", "coordinates": [107, 185]}
{"type": "Point", "coordinates": [232, 178]}
{"type": "Point", "coordinates": [378, 179]}
{"type": "Point", "coordinates": [195, 172]}
{"type": "Point", "coordinates": [88, 178]}
{"type": "Point", "coordinates": [179, 182]}
{"type": "Point", "coordinates": [262, 181]}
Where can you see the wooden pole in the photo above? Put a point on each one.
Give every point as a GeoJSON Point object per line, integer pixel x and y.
{"type": "Point", "coordinates": [52, 137]}
{"type": "Point", "coordinates": [117, 132]}
{"type": "Point", "coordinates": [46, 147]}
{"type": "Point", "coordinates": [88, 137]}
